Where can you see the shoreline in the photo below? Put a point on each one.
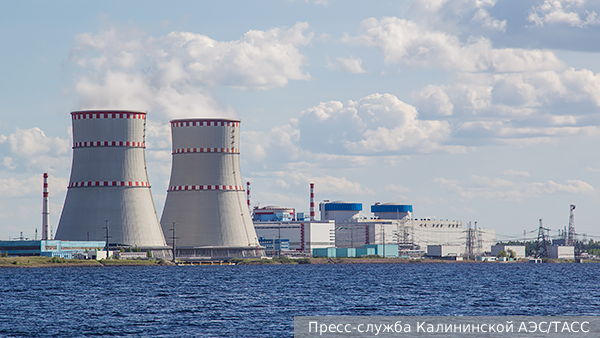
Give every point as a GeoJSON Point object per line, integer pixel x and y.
{"type": "Point", "coordinates": [46, 262]}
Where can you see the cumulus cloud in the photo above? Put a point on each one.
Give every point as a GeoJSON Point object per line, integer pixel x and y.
{"type": "Point", "coordinates": [28, 149]}
{"type": "Point", "coordinates": [29, 142]}
{"type": "Point", "coordinates": [483, 18]}
{"type": "Point", "coordinates": [407, 42]}
{"type": "Point", "coordinates": [378, 127]}
{"type": "Point", "coordinates": [515, 105]}
{"type": "Point", "coordinates": [172, 74]}
{"type": "Point", "coordinates": [507, 191]}
{"type": "Point", "coordinates": [569, 12]}
{"type": "Point", "coordinates": [452, 14]}
{"type": "Point", "coordinates": [373, 124]}
{"type": "Point", "coordinates": [350, 65]}
{"type": "Point", "coordinates": [31, 187]}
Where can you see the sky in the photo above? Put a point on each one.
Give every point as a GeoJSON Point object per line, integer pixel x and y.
{"type": "Point", "coordinates": [471, 110]}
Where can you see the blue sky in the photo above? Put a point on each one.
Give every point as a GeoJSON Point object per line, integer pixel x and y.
{"type": "Point", "coordinates": [475, 110]}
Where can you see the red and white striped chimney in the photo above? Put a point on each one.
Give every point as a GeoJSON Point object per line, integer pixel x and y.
{"type": "Point", "coordinates": [45, 213]}
{"type": "Point", "coordinates": [248, 195]}
{"type": "Point", "coordinates": [312, 201]}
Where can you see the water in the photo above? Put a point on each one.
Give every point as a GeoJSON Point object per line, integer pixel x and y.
{"type": "Point", "coordinates": [261, 301]}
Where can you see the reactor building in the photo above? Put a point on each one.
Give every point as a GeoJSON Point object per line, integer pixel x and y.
{"type": "Point", "coordinates": [393, 224]}
{"type": "Point", "coordinates": [206, 213]}
{"type": "Point", "coordinates": [109, 193]}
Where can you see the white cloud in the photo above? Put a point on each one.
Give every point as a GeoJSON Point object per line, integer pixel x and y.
{"type": "Point", "coordinates": [404, 41]}
{"type": "Point", "coordinates": [485, 20]}
{"type": "Point", "coordinates": [30, 142]}
{"type": "Point", "coordinates": [326, 184]}
{"type": "Point", "coordinates": [515, 173]}
{"type": "Point", "coordinates": [496, 189]}
{"type": "Point", "coordinates": [26, 149]}
{"type": "Point", "coordinates": [434, 101]}
{"type": "Point", "coordinates": [515, 106]}
{"type": "Point", "coordinates": [333, 135]}
{"type": "Point", "coordinates": [9, 163]}
{"type": "Point", "coordinates": [350, 65]}
{"type": "Point", "coordinates": [158, 135]}
{"type": "Point", "coordinates": [456, 15]}
{"type": "Point", "coordinates": [570, 12]}
{"type": "Point", "coordinates": [31, 187]}
{"type": "Point", "coordinates": [172, 74]}
{"type": "Point", "coordinates": [376, 123]}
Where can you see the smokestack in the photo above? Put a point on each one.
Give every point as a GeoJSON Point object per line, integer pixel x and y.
{"type": "Point", "coordinates": [109, 182]}
{"type": "Point", "coordinates": [206, 191]}
{"type": "Point", "coordinates": [312, 201]}
{"type": "Point", "coordinates": [45, 213]}
{"type": "Point", "coordinates": [248, 195]}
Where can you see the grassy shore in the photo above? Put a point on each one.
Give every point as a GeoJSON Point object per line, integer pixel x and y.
{"type": "Point", "coordinates": [39, 262]}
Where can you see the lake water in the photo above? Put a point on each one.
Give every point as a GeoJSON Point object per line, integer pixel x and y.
{"type": "Point", "coordinates": [261, 301]}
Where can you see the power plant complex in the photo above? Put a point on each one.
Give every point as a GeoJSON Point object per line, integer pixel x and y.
{"type": "Point", "coordinates": [207, 213]}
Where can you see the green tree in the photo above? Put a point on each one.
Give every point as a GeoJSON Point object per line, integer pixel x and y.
{"type": "Point", "coordinates": [501, 254]}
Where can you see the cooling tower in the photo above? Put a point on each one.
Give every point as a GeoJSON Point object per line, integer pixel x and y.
{"type": "Point", "coordinates": [206, 201]}
{"type": "Point", "coordinates": [109, 183]}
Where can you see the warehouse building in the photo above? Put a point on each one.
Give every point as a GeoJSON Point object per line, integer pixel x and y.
{"type": "Point", "coordinates": [49, 248]}
{"type": "Point", "coordinates": [300, 237]}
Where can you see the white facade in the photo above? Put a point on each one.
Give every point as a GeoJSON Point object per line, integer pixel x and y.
{"type": "Point", "coordinates": [411, 234]}
{"type": "Point", "coordinates": [303, 236]}
{"type": "Point", "coordinates": [518, 249]}
{"type": "Point", "coordinates": [561, 252]}
{"type": "Point", "coordinates": [206, 200]}
{"type": "Point", "coordinates": [444, 250]}
{"type": "Point", "coordinates": [109, 183]}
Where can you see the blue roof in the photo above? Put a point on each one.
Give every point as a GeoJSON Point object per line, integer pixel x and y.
{"type": "Point", "coordinates": [343, 206]}
{"type": "Point", "coordinates": [391, 208]}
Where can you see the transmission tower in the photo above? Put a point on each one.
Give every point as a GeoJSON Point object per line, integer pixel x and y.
{"type": "Point", "coordinates": [404, 234]}
{"type": "Point", "coordinates": [543, 241]}
{"type": "Point", "coordinates": [571, 235]}
{"type": "Point", "coordinates": [470, 240]}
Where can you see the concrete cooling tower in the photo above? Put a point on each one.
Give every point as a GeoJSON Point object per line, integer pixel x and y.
{"type": "Point", "coordinates": [206, 202]}
{"type": "Point", "coordinates": [109, 183]}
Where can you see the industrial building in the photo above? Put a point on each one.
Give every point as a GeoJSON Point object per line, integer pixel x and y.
{"type": "Point", "coordinates": [206, 214]}
{"type": "Point", "coordinates": [393, 225]}
{"type": "Point", "coordinates": [302, 236]}
{"type": "Point", "coordinates": [443, 251]}
{"type": "Point", "coordinates": [519, 250]}
{"type": "Point", "coordinates": [49, 248]}
{"type": "Point", "coordinates": [109, 193]}
{"type": "Point", "coordinates": [388, 250]}
{"type": "Point", "coordinates": [273, 213]}
{"type": "Point", "coordinates": [340, 211]}
{"type": "Point", "coordinates": [561, 252]}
